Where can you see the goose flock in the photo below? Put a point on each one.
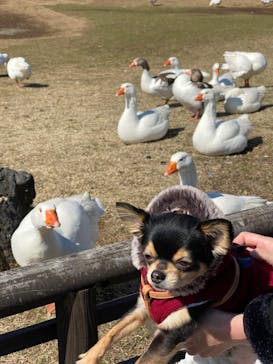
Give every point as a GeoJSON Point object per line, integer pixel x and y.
{"type": "Point", "coordinates": [212, 136]}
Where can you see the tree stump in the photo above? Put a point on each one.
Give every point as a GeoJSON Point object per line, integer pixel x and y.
{"type": "Point", "coordinates": [17, 192]}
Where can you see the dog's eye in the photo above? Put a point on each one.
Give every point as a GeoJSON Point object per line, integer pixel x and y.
{"type": "Point", "coordinates": [149, 258]}
{"type": "Point", "coordinates": [182, 264]}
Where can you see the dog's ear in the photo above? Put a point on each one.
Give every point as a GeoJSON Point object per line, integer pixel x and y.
{"type": "Point", "coordinates": [219, 233]}
{"type": "Point", "coordinates": [133, 217]}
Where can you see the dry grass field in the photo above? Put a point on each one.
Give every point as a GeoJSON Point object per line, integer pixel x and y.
{"type": "Point", "coordinates": [62, 126]}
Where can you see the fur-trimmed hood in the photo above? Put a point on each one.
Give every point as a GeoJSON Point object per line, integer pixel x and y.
{"type": "Point", "coordinates": [185, 199]}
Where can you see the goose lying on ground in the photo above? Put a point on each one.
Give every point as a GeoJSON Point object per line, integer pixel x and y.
{"type": "Point", "coordinates": [138, 127]}
{"type": "Point", "coordinates": [57, 227]}
{"type": "Point", "coordinates": [159, 85]}
{"type": "Point", "coordinates": [244, 64]}
{"type": "Point", "coordinates": [18, 69]}
{"type": "Point", "coordinates": [244, 100]}
{"type": "Point", "coordinates": [183, 163]}
{"type": "Point", "coordinates": [219, 137]}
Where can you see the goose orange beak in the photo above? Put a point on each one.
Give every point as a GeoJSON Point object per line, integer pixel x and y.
{"type": "Point", "coordinates": [120, 91]}
{"type": "Point", "coordinates": [171, 168]}
{"type": "Point", "coordinates": [199, 97]}
{"type": "Point", "coordinates": [133, 64]}
{"type": "Point", "coordinates": [51, 219]}
{"type": "Point", "coordinates": [167, 63]}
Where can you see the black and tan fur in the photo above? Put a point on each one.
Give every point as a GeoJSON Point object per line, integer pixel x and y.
{"type": "Point", "coordinates": [178, 249]}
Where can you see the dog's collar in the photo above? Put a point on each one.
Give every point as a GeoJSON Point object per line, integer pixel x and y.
{"type": "Point", "coordinates": [233, 287]}
{"type": "Point", "coordinates": [149, 293]}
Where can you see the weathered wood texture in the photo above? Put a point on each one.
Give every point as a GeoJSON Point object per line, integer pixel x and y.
{"type": "Point", "coordinates": [32, 286]}
{"type": "Point", "coordinates": [76, 324]}
{"type": "Point", "coordinates": [39, 284]}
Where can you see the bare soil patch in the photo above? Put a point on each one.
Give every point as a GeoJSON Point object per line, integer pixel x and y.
{"type": "Point", "coordinates": [33, 20]}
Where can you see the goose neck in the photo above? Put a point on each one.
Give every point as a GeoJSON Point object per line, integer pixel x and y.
{"type": "Point", "coordinates": [188, 176]}
{"type": "Point", "coordinates": [215, 78]}
{"type": "Point", "coordinates": [209, 110]}
{"type": "Point", "coordinates": [131, 102]}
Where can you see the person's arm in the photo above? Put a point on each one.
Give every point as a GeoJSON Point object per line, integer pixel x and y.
{"type": "Point", "coordinates": [260, 246]}
{"type": "Point", "coordinates": [217, 332]}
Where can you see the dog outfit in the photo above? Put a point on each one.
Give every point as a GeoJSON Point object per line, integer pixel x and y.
{"type": "Point", "coordinates": [237, 283]}
{"type": "Point", "coordinates": [252, 277]}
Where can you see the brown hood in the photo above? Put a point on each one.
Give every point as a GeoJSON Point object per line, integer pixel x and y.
{"type": "Point", "coordinates": [187, 200]}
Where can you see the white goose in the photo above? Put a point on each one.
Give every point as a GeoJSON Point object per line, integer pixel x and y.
{"type": "Point", "coordinates": [175, 64]}
{"type": "Point", "coordinates": [244, 64]}
{"type": "Point", "coordinates": [183, 163]}
{"type": "Point", "coordinates": [244, 100]}
{"type": "Point", "coordinates": [18, 69]}
{"type": "Point", "coordinates": [57, 227]}
{"type": "Point", "coordinates": [215, 2]}
{"type": "Point", "coordinates": [185, 92]}
{"type": "Point", "coordinates": [159, 85]}
{"type": "Point", "coordinates": [221, 84]}
{"type": "Point", "coordinates": [219, 137]}
{"type": "Point", "coordinates": [138, 127]}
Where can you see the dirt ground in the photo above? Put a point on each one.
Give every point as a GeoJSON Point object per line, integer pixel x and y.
{"type": "Point", "coordinates": [34, 20]}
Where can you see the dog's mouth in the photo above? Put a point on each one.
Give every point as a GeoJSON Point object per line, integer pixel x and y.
{"type": "Point", "coordinates": [161, 281]}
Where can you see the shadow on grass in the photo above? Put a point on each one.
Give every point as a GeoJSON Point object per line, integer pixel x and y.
{"type": "Point", "coordinates": [253, 143]}
{"type": "Point", "coordinates": [172, 133]}
{"type": "Point", "coordinates": [264, 107]}
{"type": "Point", "coordinates": [174, 105]}
{"type": "Point", "coordinates": [36, 85]}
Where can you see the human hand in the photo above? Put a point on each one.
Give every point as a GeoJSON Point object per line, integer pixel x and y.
{"type": "Point", "coordinates": [218, 332]}
{"type": "Point", "coordinates": [260, 246]}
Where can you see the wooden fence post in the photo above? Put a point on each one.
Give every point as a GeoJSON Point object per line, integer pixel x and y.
{"type": "Point", "coordinates": [76, 324]}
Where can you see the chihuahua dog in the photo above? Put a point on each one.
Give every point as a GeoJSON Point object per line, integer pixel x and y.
{"type": "Point", "coordinates": [184, 258]}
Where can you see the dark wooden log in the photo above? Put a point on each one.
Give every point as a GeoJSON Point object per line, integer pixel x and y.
{"type": "Point", "coordinates": [45, 331]}
{"type": "Point", "coordinates": [34, 285]}
{"type": "Point", "coordinates": [76, 324]}
{"type": "Point", "coordinates": [28, 337]}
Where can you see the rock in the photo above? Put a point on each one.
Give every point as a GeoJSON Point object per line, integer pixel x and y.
{"type": "Point", "coordinates": [17, 192]}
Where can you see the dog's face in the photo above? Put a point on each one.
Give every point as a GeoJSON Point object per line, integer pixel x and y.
{"type": "Point", "coordinates": [177, 248]}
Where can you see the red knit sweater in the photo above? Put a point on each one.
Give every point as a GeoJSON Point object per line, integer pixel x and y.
{"type": "Point", "coordinates": [256, 277]}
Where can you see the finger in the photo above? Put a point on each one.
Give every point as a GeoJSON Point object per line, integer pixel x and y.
{"type": "Point", "coordinates": [247, 238]}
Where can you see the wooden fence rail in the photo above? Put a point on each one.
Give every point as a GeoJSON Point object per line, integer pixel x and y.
{"type": "Point", "coordinates": [70, 281]}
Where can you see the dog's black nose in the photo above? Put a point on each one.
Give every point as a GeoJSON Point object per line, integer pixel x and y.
{"type": "Point", "coordinates": [157, 276]}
